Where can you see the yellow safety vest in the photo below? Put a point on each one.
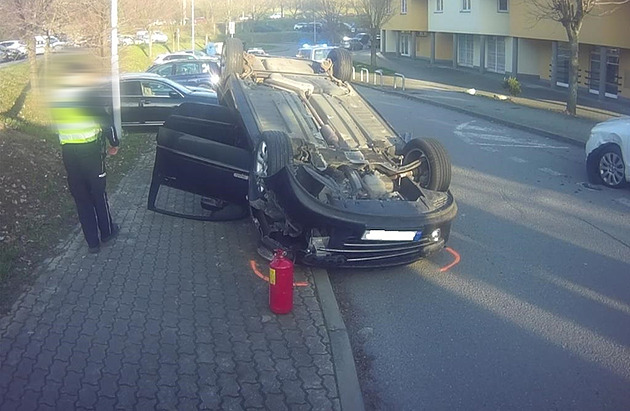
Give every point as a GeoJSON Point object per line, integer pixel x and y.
{"type": "Point", "coordinates": [74, 124]}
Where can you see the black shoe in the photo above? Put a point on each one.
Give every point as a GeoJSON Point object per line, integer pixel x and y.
{"type": "Point", "coordinates": [112, 235]}
{"type": "Point", "coordinates": [94, 250]}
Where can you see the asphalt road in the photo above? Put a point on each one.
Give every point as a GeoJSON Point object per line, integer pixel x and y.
{"type": "Point", "coordinates": [536, 315]}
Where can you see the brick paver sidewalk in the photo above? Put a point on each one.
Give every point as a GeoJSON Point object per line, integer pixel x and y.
{"type": "Point", "coordinates": [169, 316]}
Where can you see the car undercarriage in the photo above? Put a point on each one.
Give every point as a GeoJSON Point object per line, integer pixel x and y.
{"type": "Point", "coordinates": [326, 177]}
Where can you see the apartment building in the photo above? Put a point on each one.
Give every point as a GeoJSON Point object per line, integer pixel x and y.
{"type": "Point", "coordinates": [505, 37]}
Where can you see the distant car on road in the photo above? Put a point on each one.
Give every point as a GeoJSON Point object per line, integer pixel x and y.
{"type": "Point", "coordinates": [148, 99]}
{"type": "Point", "coordinates": [608, 151]}
{"type": "Point", "coordinates": [197, 73]}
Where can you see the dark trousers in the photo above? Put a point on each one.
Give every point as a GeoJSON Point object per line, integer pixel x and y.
{"type": "Point", "coordinates": [86, 180]}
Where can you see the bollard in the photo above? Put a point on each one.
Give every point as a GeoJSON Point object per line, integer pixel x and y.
{"type": "Point", "coordinates": [402, 77]}
{"type": "Point", "coordinates": [367, 72]}
{"type": "Point", "coordinates": [380, 73]}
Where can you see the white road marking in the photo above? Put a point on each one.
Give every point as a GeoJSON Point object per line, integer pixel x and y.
{"type": "Point", "coordinates": [550, 172]}
{"type": "Point", "coordinates": [518, 160]}
{"type": "Point", "coordinates": [476, 135]}
{"type": "Point", "coordinates": [489, 149]}
{"type": "Point", "coordinates": [623, 201]}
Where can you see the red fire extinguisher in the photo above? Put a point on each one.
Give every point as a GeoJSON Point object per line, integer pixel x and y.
{"type": "Point", "coordinates": [280, 283]}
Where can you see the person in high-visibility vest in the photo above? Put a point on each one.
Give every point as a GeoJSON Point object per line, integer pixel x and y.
{"type": "Point", "coordinates": [83, 127]}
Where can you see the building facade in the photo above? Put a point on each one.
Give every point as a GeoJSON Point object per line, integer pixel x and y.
{"type": "Point", "coordinates": [505, 37]}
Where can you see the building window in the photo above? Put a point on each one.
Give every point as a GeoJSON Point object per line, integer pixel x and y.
{"type": "Point", "coordinates": [495, 50]}
{"type": "Point", "coordinates": [439, 5]}
{"type": "Point", "coordinates": [503, 6]}
{"type": "Point", "coordinates": [465, 50]}
{"type": "Point", "coordinates": [403, 7]}
{"type": "Point", "coordinates": [465, 5]}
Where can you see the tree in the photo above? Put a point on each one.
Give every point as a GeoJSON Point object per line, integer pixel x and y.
{"type": "Point", "coordinates": [377, 13]}
{"type": "Point", "coordinates": [330, 11]}
{"type": "Point", "coordinates": [571, 13]}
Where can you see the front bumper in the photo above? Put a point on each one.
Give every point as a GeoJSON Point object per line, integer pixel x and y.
{"type": "Point", "coordinates": [335, 232]}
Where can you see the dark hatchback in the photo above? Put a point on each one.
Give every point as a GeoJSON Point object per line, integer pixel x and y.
{"type": "Point", "coordinates": [197, 73]}
{"type": "Point", "coordinates": [147, 99]}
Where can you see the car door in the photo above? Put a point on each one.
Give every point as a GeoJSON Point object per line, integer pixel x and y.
{"type": "Point", "coordinates": [201, 149]}
{"type": "Point", "coordinates": [158, 100]}
{"type": "Point", "coordinates": [130, 96]}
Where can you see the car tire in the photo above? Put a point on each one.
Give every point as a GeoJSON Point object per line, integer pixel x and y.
{"type": "Point", "coordinates": [273, 153]}
{"type": "Point", "coordinates": [342, 64]}
{"type": "Point", "coordinates": [606, 166]}
{"type": "Point", "coordinates": [434, 172]}
{"type": "Point", "coordinates": [232, 57]}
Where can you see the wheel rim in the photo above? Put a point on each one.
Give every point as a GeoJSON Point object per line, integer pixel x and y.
{"type": "Point", "coordinates": [422, 173]}
{"type": "Point", "coordinates": [261, 166]}
{"type": "Point", "coordinates": [611, 169]}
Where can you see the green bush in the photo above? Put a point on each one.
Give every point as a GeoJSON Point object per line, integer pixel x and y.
{"type": "Point", "coordinates": [512, 85]}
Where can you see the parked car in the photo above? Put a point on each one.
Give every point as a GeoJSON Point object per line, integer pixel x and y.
{"type": "Point", "coordinates": [159, 37]}
{"type": "Point", "coordinates": [322, 173]}
{"type": "Point", "coordinates": [351, 43]}
{"type": "Point", "coordinates": [317, 52]}
{"type": "Point", "coordinates": [256, 51]}
{"type": "Point", "coordinates": [13, 50]}
{"type": "Point", "coordinates": [148, 99]}
{"type": "Point", "coordinates": [125, 40]}
{"type": "Point", "coordinates": [309, 27]}
{"type": "Point", "coordinates": [608, 151]}
{"type": "Point", "coordinates": [180, 55]}
{"type": "Point", "coordinates": [198, 73]}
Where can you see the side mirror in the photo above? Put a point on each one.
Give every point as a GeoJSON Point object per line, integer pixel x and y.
{"type": "Point", "coordinates": [174, 94]}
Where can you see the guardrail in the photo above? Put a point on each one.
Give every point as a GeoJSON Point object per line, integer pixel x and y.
{"type": "Point", "coordinates": [380, 74]}
{"type": "Point", "coordinates": [367, 72]}
{"type": "Point", "coordinates": [402, 77]}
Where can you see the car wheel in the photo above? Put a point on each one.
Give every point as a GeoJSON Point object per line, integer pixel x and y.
{"type": "Point", "coordinates": [434, 171]}
{"type": "Point", "coordinates": [342, 64]}
{"type": "Point", "coordinates": [273, 153]}
{"type": "Point", "coordinates": [232, 57]}
{"type": "Point", "coordinates": [610, 166]}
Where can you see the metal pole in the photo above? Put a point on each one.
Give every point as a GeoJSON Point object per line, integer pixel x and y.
{"type": "Point", "coordinates": [192, 18]}
{"type": "Point", "coordinates": [115, 73]}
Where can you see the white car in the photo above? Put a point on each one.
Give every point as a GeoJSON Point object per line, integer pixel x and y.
{"type": "Point", "coordinates": [180, 55]}
{"type": "Point", "coordinates": [318, 52]}
{"type": "Point", "coordinates": [608, 151]}
{"type": "Point", "coordinates": [159, 37]}
{"type": "Point", "coordinates": [256, 51]}
{"type": "Point", "coordinates": [14, 45]}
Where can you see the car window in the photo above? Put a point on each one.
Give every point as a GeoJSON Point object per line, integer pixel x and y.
{"type": "Point", "coordinates": [165, 70]}
{"type": "Point", "coordinates": [156, 89]}
{"type": "Point", "coordinates": [187, 68]}
{"type": "Point", "coordinates": [320, 54]}
{"type": "Point", "coordinates": [209, 67]}
{"type": "Point", "coordinates": [130, 88]}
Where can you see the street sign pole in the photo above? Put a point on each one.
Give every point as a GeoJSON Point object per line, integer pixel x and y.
{"type": "Point", "coordinates": [114, 69]}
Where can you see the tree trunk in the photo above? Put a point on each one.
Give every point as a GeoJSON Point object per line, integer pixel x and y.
{"type": "Point", "coordinates": [373, 34]}
{"type": "Point", "coordinates": [574, 65]}
{"type": "Point", "coordinates": [32, 60]}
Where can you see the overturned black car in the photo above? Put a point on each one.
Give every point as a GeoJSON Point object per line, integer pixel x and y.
{"type": "Point", "coordinates": [321, 173]}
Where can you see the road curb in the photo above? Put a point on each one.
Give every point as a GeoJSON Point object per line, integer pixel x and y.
{"type": "Point", "coordinates": [499, 120]}
{"type": "Point", "coordinates": [348, 386]}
